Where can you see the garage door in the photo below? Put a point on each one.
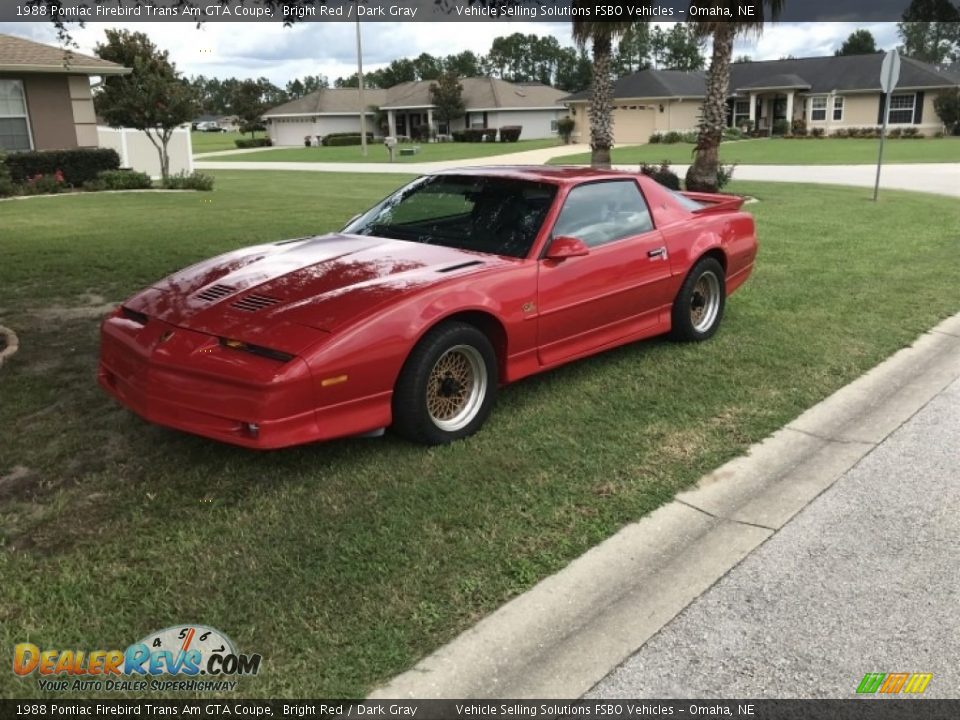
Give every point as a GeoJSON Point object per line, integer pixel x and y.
{"type": "Point", "coordinates": [289, 131]}
{"type": "Point", "coordinates": [632, 124]}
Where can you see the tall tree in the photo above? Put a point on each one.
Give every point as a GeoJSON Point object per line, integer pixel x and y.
{"type": "Point", "coordinates": [427, 67]}
{"type": "Point", "coordinates": [930, 31]}
{"type": "Point", "coordinates": [742, 59]}
{"type": "Point", "coordinates": [447, 96]}
{"type": "Point", "coordinates": [249, 104]}
{"type": "Point", "coordinates": [153, 98]}
{"type": "Point", "coordinates": [633, 50]}
{"type": "Point", "coordinates": [860, 42]}
{"type": "Point", "coordinates": [601, 35]}
{"type": "Point", "coordinates": [683, 48]}
{"type": "Point", "coordinates": [465, 64]}
{"type": "Point", "coordinates": [702, 175]}
{"type": "Point", "coordinates": [573, 69]}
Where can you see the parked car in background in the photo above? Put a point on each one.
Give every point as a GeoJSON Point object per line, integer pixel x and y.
{"type": "Point", "coordinates": [418, 310]}
{"type": "Point", "coordinates": [210, 126]}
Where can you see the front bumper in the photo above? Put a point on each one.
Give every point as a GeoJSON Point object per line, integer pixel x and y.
{"type": "Point", "coordinates": [186, 380]}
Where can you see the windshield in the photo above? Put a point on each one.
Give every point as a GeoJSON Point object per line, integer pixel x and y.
{"type": "Point", "coordinates": [494, 215]}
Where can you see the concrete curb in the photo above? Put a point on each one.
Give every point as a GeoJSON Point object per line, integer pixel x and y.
{"type": "Point", "coordinates": [12, 344]}
{"type": "Point", "coordinates": [561, 637]}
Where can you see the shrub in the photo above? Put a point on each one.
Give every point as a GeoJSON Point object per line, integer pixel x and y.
{"type": "Point", "coordinates": [192, 181]}
{"type": "Point", "coordinates": [662, 174]}
{"type": "Point", "coordinates": [565, 127]}
{"type": "Point", "coordinates": [817, 132]}
{"type": "Point", "coordinates": [124, 180]}
{"type": "Point", "coordinates": [912, 133]}
{"type": "Point", "coordinates": [672, 137]}
{"type": "Point", "coordinates": [939, 134]}
{"type": "Point", "coordinates": [510, 133]}
{"type": "Point", "coordinates": [245, 143]}
{"type": "Point", "coordinates": [77, 165]}
{"type": "Point", "coordinates": [731, 133]}
{"type": "Point", "coordinates": [724, 175]}
{"type": "Point", "coordinates": [655, 138]}
{"type": "Point", "coordinates": [781, 126]}
{"type": "Point", "coordinates": [48, 184]}
{"type": "Point", "coordinates": [799, 127]}
{"type": "Point", "coordinates": [6, 183]}
{"type": "Point", "coordinates": [841, 133]}
{"type": "Point", "coordinates": [459, 135]}
{"type": "Point", "coordinates": [343, 138]}
{"type": "Point", "coordinates": [947, 107]}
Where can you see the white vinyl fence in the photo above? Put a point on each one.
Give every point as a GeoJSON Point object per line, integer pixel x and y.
{"type": "Point", "coordinates": [137, 152]}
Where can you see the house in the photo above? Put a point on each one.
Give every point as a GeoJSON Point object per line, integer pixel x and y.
{"type": "Point", "coordinates": [407, 109]}
{"type": "Point", "coordinates": [45, 98]}
{"type": "Point", "coordinates": [825, 92]}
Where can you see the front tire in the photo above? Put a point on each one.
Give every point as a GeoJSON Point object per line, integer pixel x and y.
{"type": "Point", "coordinates": [447, 386]}
{"type": "Point", "coordinates": [698, 307]}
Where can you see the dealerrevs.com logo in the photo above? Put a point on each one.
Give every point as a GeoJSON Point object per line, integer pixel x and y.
{"type": "Point", "coordinates": [188, 657]}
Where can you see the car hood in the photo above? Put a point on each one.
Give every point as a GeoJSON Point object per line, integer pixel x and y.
{"type": "Point", "coordinates": [321, 282]}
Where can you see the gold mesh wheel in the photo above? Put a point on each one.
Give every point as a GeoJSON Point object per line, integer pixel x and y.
{"type": "Point", "coordinates": [456, 387]}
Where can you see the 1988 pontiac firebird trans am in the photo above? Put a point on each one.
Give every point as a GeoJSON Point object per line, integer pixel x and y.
{"type": "Point", "coordinates": [418, 310]}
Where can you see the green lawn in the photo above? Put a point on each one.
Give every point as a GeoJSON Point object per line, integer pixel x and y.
{"type": "Point", "coordinates": [824, 151]}
{"type": "Point", "coordinates": [204, 142]}
{"type": "Point", "coordinates": [343, 563]}
{"type": "Point", "coordinates": [376, 152]}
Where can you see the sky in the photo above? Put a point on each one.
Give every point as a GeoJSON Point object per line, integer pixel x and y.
{"type": "Point", "coordinates": [267, 49]}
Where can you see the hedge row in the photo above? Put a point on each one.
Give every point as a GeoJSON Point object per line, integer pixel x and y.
{"type": "Point", "coordinates": [78, 166]}
{"type": "Point", "coordinates": [344, 138]}
{"type": "Point", "coordinates": [245, 143]}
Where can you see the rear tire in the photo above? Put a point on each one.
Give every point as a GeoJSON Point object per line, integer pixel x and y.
{"type": "Point", "coordinates": [447, 386]}
{"type": "Point", "coordinates": [698, 307]}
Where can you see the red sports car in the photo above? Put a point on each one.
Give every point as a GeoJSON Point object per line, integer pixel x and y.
{"type": "Point", "coordinates": [418, 310]}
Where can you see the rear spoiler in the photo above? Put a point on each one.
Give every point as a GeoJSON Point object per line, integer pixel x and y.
{"type": "Point", "coordinates": [715, 202]}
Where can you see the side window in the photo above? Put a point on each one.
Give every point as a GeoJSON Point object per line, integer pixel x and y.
{"type": "Point", "coordinates": [599, 213]}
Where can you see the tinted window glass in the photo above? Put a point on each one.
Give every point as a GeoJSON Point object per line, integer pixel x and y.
{"type": "Point", "coordinates": [602, 212]}
{"type": "Point", "coordinates": [484, 214]}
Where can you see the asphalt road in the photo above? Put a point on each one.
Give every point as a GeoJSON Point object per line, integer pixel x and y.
{"type": "Point", "coordinates": [864, 579]}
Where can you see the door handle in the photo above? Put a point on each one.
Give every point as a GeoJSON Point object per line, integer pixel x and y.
{"type": "Point", "coordinates": [658, 253]}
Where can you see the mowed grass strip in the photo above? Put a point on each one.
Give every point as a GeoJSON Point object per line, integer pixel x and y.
{"type": "Point", "coordinates": [377, 153]}
{"type": "Point", "coordinates": [204, 142]}
{"type": "Point", "coordinates": [811, 151]}
{"type": "Point", "coordinates": [344, 563]}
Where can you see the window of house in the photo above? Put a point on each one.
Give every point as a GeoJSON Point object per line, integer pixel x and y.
{"type": "Point", "coordinates": [741, 112]}
{"type": "Point", "coordinates": [838, 107]}
{"type": "Point", "coordinates": [602, 212]}
{"type": "Point", "coordinates": [14, 125]}
{"type": "Point", "coordinates": [902, 109]}
{"type": "Point", "coordinates": [818, 108]}
{"type": "Point", "coordinates": [553, 125]}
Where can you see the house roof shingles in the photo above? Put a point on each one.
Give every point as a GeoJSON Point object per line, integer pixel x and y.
{"type": "Point", "coordinates": [18, 54]}
{"type": "Point", "coordinates": [818, 74]}
{"type": "Point", "coordinates": [478, 93]}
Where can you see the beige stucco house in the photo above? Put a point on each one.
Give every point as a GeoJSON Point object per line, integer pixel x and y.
{"type": "Point", "coordinates": [826, 92]}
{"type": "Point", "coordinates": [45, 98]}
{"type": "Point", "coordinates": [490, 103]}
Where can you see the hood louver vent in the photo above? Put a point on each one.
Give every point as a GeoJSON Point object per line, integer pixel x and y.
{"type": "Point", "coordinates": [252, 303]}
{"type": "Point", "coordinates": [460, 266]}
{"type": "Point", "coordinates": [215, 292]}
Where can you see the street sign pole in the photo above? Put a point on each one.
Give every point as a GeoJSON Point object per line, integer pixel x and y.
{"type": "Point", "coordinates": [889, 76]}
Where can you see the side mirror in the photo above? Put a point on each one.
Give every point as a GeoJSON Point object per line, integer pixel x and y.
{"type": "Point", "coordinates": [564, 247]}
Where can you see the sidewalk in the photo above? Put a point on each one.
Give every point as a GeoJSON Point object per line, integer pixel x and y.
{"type": "Point", "coordinates": [830, 550]}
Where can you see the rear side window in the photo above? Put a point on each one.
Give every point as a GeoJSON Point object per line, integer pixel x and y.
{"type": "Point", "coordinates": [687, 203]}
{"type": "Point", "coordinates": [603, 212]}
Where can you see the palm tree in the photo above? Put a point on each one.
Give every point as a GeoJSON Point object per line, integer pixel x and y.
{"type": "Point", "coordinates": [601, 88]}
{"type": "Point", "coordinates": [702, 175]}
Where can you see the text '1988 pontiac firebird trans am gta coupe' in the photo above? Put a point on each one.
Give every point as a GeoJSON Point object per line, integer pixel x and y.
{"type": "Point", "coordinates": [418, 310]}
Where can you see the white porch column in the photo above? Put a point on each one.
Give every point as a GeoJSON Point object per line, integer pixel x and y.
{"type": "Point", "coordinates": [753, 110]}
{"type": "Point", "coordinates": [392, 122]}
{"type": "Point", "coordinates": [790, 111]}
{"type": "Point", "coordinates": [829, 118]}
{"type": "Point", "coordinates": [429, 123]}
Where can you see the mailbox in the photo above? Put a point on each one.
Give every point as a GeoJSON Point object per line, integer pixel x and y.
{"type": "Point", "coordinates": [390, 142]}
